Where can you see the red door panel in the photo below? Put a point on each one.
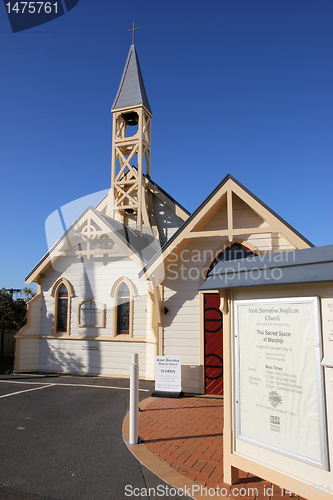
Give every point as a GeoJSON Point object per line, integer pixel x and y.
{"type": "Point", "coordinates": [213, 331]}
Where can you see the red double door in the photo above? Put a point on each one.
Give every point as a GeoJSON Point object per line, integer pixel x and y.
{"type": "Point", "coordinates": [213, 332]}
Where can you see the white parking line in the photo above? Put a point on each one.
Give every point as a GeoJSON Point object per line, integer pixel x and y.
{"type": "Point", "coordinates": [70, 385]}
{"type": "Point", "coordinates": [27, 390]}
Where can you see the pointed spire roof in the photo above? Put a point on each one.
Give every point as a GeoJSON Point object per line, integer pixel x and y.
{"type": "Point", "coordinates": [131, 89]}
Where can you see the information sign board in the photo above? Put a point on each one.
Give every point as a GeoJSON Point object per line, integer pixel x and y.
{"type": "Point", "coordinates": [279, 381]}
{"type": "Point", "coordinates": [168, 374]}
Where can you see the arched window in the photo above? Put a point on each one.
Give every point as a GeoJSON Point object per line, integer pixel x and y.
{"type": "Point", "coordinates": [62, 291]}
{"type": "Point", "coordinates": [123, 309]}
{"type": "Point", "coordinates": [62, 309]}
{"type": "Point", "coordinates": [233, 252]}
{"type": "Point", "coordinates": [123, 292]}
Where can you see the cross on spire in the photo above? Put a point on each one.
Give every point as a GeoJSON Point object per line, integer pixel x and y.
{"type": "Point", "coordinates": [133, 29]}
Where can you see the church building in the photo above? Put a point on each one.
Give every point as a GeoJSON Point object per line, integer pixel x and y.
{"type": "Point", "coordinates": [125, 277]}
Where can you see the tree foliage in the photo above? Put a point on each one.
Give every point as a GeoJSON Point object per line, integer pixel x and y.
{"type": "Point", "coordinates": [12, 312]}
{"type": "Point", "coordinates": [29, 293]}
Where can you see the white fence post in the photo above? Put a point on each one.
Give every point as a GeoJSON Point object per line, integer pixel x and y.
{"type": "Point", "coordinates": [134, 401]}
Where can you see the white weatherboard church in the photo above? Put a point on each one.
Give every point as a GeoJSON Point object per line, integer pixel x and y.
{"type": "Point", "coordinates": [125, 277]}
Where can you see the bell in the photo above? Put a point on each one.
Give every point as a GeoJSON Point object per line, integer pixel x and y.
{"type": "Point", "coordinates": [131, 118]}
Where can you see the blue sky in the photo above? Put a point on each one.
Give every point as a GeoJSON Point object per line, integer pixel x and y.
{"type": "Point", "coordinates": [235, 86]}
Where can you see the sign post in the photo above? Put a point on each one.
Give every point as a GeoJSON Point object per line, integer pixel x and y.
{"type": "Point", "coordinates": [134, 401]}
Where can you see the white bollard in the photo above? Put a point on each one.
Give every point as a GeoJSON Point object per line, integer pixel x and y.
{"type": "Point", "coordinates": [134, 401]}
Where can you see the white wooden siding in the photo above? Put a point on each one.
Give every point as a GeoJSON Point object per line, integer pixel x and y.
{"type": "Point", "coordinates": [243, 215]}
{"type": "Point", "coordinates": [182, 329]}
{"type": "Point", "coordinates": [90, 280]}
{"type": "Point", "coordinates": [219, 221]}
{"type": "Point", "coordinates": [150, 361]}
{"type": "Point", "coordinates": [34, 307]}
{"type": "Point", "coordinates": [29, 354]}
{"type": "Point", "coordinates": [95, 283]}
{"type": "Point", "coordinates": [92, 357]}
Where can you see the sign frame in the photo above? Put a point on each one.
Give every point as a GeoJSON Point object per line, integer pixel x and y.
{"type": "Point", "coordinates": [320, 388]}
{"type": "Point", "coordinates": [101, 305]}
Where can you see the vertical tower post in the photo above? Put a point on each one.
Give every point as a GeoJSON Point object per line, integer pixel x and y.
{"type": "Point", "coordinates": [130, 147]}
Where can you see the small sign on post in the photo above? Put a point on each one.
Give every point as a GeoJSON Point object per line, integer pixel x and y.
{"type": "Point", "coordinates": [168, 380]}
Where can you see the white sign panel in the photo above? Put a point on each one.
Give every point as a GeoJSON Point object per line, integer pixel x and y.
{"type": "Point", "coordinates": [168, 374]}
{"type": "Point", "coordinates": [279, 401]}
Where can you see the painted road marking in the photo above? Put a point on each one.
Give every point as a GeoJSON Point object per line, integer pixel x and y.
{"type": "Point", "coordinates": [27, 390]}
{"type": "Point", "coordinates": [70, 385]}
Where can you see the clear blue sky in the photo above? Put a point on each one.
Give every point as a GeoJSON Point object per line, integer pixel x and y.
{"type": "Point", "coordinates": [235, 86]}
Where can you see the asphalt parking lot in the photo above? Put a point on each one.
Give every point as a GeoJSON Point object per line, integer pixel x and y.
{"type": "Point", "coordinates": [61, 439]}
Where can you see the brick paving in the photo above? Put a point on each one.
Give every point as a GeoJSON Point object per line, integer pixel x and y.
{"type": "Point", "coordinates": [187, 435]}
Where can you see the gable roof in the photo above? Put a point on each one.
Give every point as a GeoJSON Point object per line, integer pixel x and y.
{"type": "Point", "coordinates": [145, 248]}
{"type": "Point", "coordinates": [176, 238]}
{"type": "Point", "coordinates": [131, 90]}
{"type": "Point", "coordinates": [309, 265]}
{"type": "Point", "coordinates": [139, 246]}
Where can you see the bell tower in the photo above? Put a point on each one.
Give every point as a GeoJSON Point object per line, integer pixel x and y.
{"type": "Point", "coordinates": [130, 147]}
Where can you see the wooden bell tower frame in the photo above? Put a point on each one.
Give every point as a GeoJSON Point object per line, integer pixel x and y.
{"type": "Point", "coordinates": [127, 179]}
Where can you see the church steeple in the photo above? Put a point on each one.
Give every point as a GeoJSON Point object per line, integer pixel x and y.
{"type": "Point", "coordinates": [131, 89]}
{"type": "Point", "coordinates": [130, 146]}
